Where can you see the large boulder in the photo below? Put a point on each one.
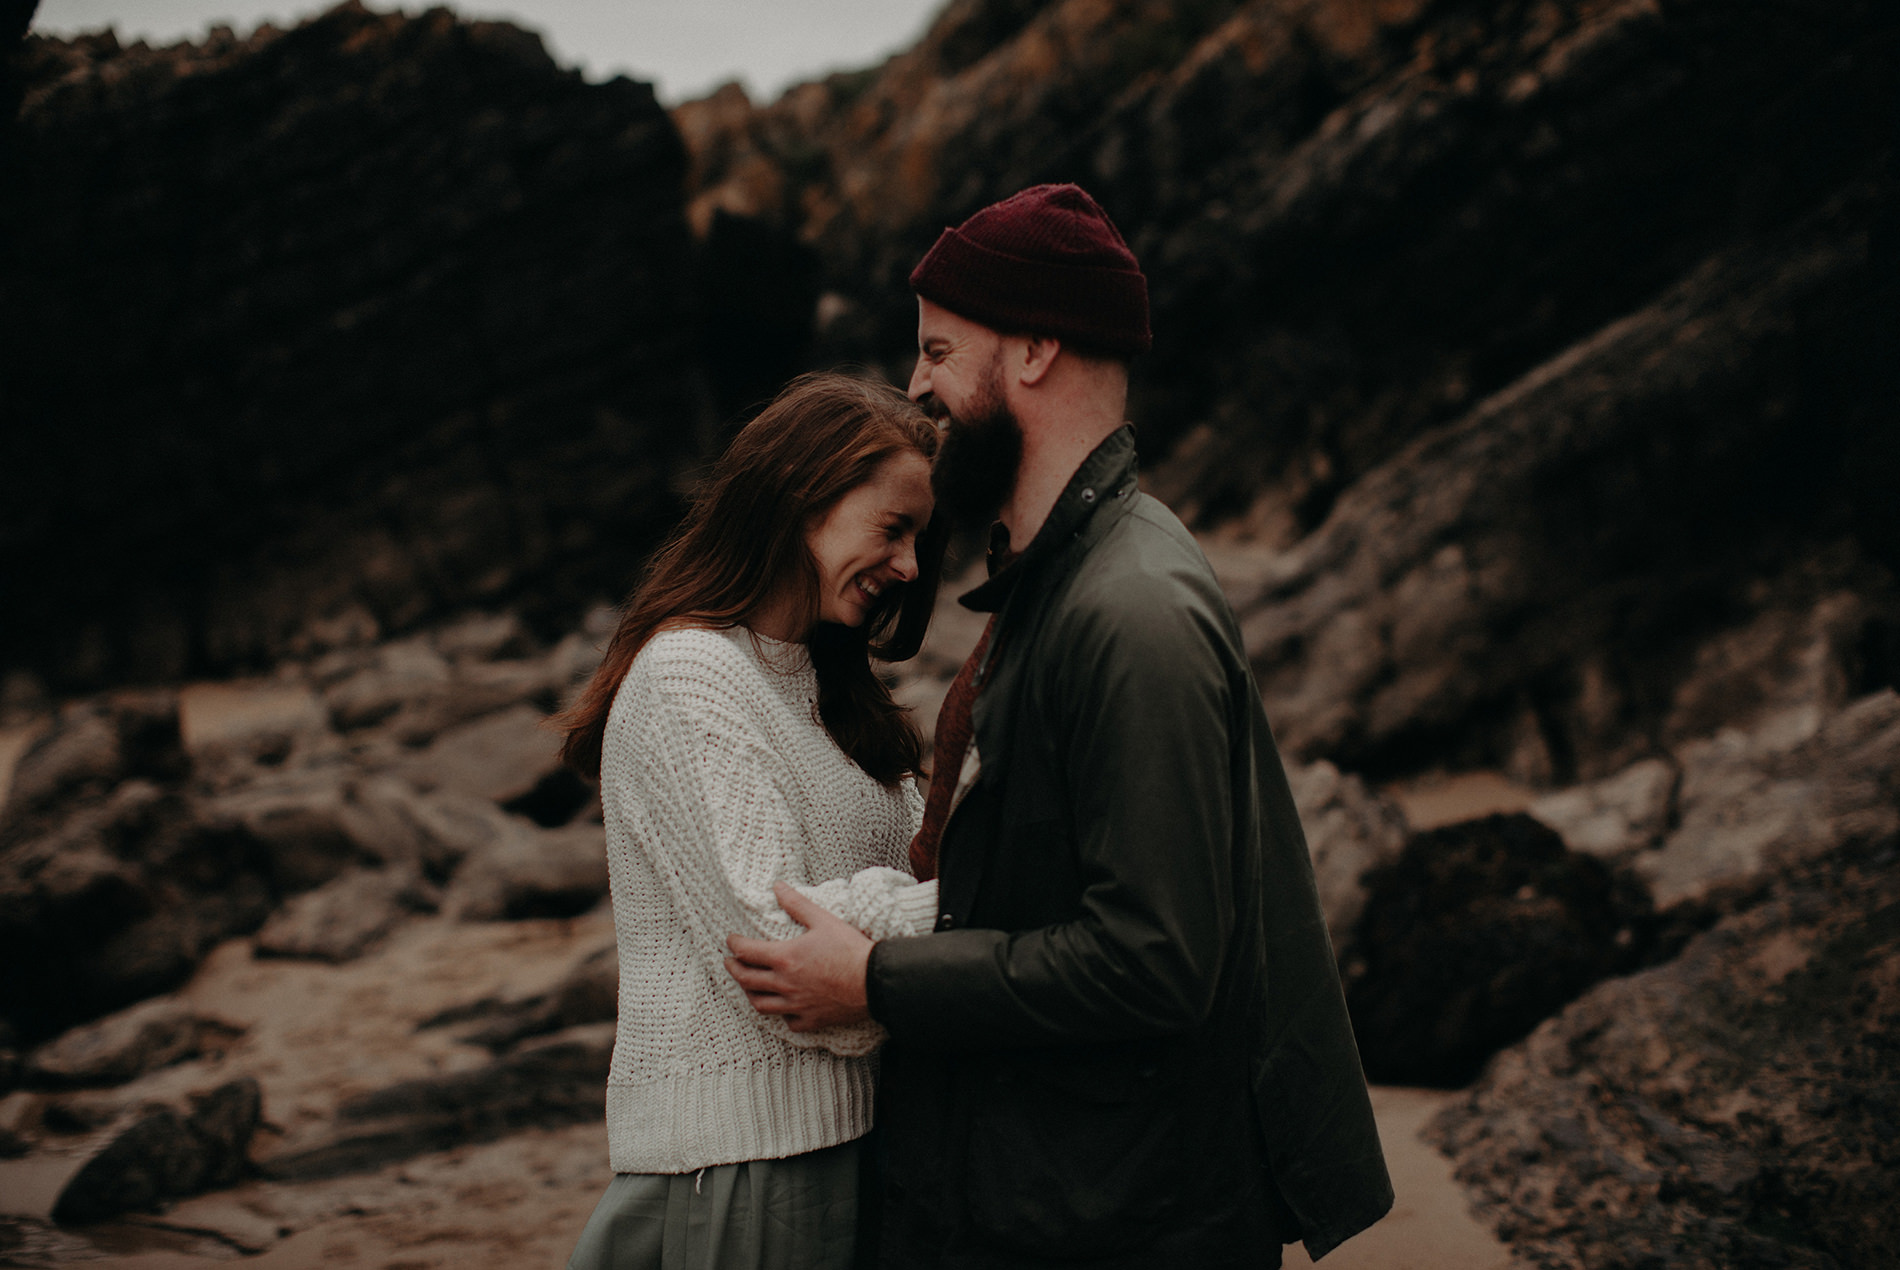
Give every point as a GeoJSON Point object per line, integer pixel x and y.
{"type": "Point", "coordinates": [91, 747]}
{"type": "Point", "coordinates": [499, 757]}
{"type": "Point", "coordinates": [1617, 816]}
{"type": "Point", "coordinates": [1733, 1107]}
{"type": "Point", "coordinates": [520, 870]}
{"type": "Point", "coordinates": [122, 1046]}
{"type": "Point", "coordinates": [343, 919]}
{"type": "Point", "coordinates": [1349, 832]}
{"type": "Point", "coordinates": [167, 1154]}
{"type": "Point", "coordinates": [1475, 934]}
{"type": "Point", "coordinates": [1754, 802]}
{"type": "Point", "coordinates": [115, 900]}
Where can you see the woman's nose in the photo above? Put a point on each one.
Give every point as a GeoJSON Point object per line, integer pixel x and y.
{"type": "Point", "coordinates": [904, 563]}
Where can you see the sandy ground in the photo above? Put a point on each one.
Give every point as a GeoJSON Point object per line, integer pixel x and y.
{"type": "Point", "coordinates": [521, 1202]}
{"type": "Point", "coordinates": [1429, 1227]}
{"type": "Point", "coordinates": [315, 1034]}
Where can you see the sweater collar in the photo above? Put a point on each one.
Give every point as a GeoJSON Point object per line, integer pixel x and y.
{"type": "Point", "coordinates": [1106, 475]}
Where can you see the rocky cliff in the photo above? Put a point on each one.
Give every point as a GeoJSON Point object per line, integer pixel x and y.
{"type": "Point", "coordinates": [1646, 250]}
{"type": "Point", "coordinates": [364, 320]}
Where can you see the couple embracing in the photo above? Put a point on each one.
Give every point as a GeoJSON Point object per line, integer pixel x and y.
{"type": "Point", "coordinates": [1083, 989]}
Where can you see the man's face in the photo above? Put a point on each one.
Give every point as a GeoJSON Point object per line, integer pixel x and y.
{"type": "Point", "coordinates": [958, 381]}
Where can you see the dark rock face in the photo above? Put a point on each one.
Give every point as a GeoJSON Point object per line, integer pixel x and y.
{"type": "Point", "coordinates": [1384, 239]}
{"type": "Point", "coordinates": [1471, 937]}
{"type": "Point", "coordinates": [1735, 1107]}
{"type": "Point", "coordinates": [166, 1155]}
{"type": "Point", "coordinates": [379, 315]}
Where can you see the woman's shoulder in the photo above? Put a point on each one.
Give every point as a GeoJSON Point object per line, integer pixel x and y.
{"type": "Point", "coordinates": [728, 660]}
{"type": "Point", "coordinates": [695, 654]}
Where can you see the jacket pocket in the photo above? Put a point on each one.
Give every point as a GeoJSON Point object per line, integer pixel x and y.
{"type": "Point", "coordinates": [1071, 1158]}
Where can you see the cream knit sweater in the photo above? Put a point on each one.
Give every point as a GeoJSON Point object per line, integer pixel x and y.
{"type": "Point", "coordinates": [718, 780]}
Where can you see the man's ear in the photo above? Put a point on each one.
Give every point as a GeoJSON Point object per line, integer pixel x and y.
{"type": "Point", "coordinates": [1039, 354]}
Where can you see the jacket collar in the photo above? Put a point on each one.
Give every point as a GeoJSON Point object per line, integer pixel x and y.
{"type": "Point", "coordinates": [1106, 475]}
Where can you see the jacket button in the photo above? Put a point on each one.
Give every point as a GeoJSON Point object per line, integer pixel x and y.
{"type": "Point", "coordinates": [1088, 495]}
{"type": "Point", "coordinates": [945, 922]}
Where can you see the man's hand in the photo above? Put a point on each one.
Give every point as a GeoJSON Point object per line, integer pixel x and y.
{"type": "Point", "coordinates": [815, 981]}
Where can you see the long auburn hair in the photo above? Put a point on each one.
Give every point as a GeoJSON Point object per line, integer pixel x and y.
{"type": "Point", "coordinates": [745, 537]}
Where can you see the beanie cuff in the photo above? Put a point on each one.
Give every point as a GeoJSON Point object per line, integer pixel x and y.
{"type": "Point", "coordinates": [1101, 307]}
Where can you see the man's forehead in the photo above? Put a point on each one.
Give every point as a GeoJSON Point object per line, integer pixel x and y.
{"type": "Point", "coordinates": [934, 322]}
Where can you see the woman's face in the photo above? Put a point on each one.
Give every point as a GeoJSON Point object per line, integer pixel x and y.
{"type": "Point", "coordinates": [867, 543]}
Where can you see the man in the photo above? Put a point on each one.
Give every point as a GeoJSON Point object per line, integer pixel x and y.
{"type": "Point", "coordinates": [1126, 1044]}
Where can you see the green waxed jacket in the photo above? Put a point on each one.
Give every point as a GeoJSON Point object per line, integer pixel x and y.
{"type": "Point", "coordinates": [1127, 1038]}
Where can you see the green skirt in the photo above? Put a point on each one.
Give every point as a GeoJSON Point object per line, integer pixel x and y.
{"type": "Point", "coordinates": [800, 1213]}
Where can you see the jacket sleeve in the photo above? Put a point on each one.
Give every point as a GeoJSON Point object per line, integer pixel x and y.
{"type": "Point", "coordinates": [703, 790]}
{"type": "Point", "coordinates": [1140, 702]}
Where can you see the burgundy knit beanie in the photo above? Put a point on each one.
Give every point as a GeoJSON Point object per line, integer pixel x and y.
{"type": "Point", "coordinates": [1047, 261]}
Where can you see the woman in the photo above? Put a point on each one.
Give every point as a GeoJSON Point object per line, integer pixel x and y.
{"type": "Point", "coordinates": [740, 737]}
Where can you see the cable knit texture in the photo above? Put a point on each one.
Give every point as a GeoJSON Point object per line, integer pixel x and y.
{"type": "Point", "coordinates": [718, 780]}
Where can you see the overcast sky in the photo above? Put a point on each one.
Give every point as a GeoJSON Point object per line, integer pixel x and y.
{"type": "Point", "coordinates": [685, 48]}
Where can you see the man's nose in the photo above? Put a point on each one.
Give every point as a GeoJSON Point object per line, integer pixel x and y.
{"type": "Point", "coordinates": [919, 380]}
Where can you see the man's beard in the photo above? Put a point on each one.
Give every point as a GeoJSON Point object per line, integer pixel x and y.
{"type": "Point", "coordinates": [975, 471]}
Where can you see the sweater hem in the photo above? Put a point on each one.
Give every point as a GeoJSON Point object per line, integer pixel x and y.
{"type": "Point", "coordinates": [694, 1121]}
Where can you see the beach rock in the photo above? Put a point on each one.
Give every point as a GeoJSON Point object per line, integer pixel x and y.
{"type": "Point", "coordinates": [122, 1046]}
{"type": "Point", "coordinates": [343, 919]}
{"type": "Point", "coordinates": [483, 637]}
{"type": "Point", "coordinates": [1617, 816]}
{"type": "Point", "coordinates": [500, 757]}
{"type": "Point", "coordinates": [116, 901]}
{"type": "Point", "coordinates": [1475, 934]}
{"type": "Point", "coordinates": [1349, 831]}
{"type": "Point", "coordinates": [165, 1155]}
{"type": "Point", "coordinates": [588, 993]}
{"type": "Point", "coordinates": [298, 826]}
{"type": "Point", "coordinates": [400, 673]}
{"type": "Point", "coordinates": [547, 1081]}
{"type": "Point", "coordinates": [91, 747]}
{"type": "Point", "coordinates": [1735, 1106]}
{"type": "Point", "coordinates": [1752, 803]}
{"type": "Point", "coordinates": [521, 870]}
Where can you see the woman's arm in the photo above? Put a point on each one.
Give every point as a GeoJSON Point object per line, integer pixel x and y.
{"type": "Point", "coordinates": [883, 903]}
{"type": "Point", "coordinates": [701, 787]}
